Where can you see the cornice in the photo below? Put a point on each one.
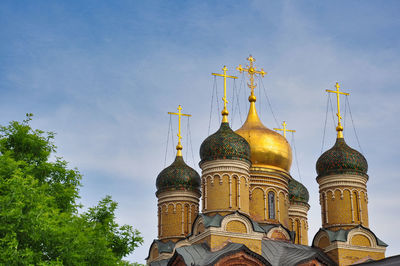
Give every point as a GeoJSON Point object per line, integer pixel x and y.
{"type": "Point", "coordinates": [343, 245]}
{"type": "Point", "coordinates": [298, 210]}
{"type": "Point", "coordinates": [225, 164]}
{"type": "Point", "coordinates": [344, 180]}
{"type": "Point", "coordinates": [169, 196]}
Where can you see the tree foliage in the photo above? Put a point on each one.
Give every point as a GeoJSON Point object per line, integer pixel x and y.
{"type": "Point", "coordinates": [39, 219]}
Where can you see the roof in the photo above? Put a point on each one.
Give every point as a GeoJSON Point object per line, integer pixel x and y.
{"type": "Point", "coordinates": [298, 192]}
{"type": "Point", "coordinates": [341, 235]}
{"type": "Point", "coordinates": [216, 220]}
{"type": "Point", "coordinates": [200, 254]}
{"type": "Point", "coordinates": [167, 247]}
{"type": "Point", "coordinates": [389, 261]}
{"type": "Point", "coordinates": [225, 144]}
{"type": "Point", "coordinates": [267, 227]}
{"type": "Point", "coordinates": [341, 159]}
{"type": "Point", "coordinates": [178, 176]}
{"type": "Point", "coordinates": [274, 253]}
{"type": "Point", "coordinates": [284, 253]}
{"type": "Point", "coordinates": [162, 247]}
{"type": "Point", "coordinates": [159, 263]}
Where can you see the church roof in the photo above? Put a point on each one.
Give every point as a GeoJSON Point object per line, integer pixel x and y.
{"type": "Point", "coordinates": [341, 159]}
{"type": "Point", "coordinates": [389, 261]}
{"type": "Point", "coordinates": [200, 254]}
{"type": "Point", "coordinates": [274, 253]}
{"type": "Point", "coordinates": [178, 176]}
{"type": "Point", "coordinates": [285, 253]}
{"type": "Point", "coordinates": [216, 220]}
{"type": "Point", "coordinates": [297, 191]}
{"type": "Point", "coordinates": [224, 144]}
{"type": "Point", "coordinates": [166, 247]}
{"type": "Point", "coordinates": [341, 235]}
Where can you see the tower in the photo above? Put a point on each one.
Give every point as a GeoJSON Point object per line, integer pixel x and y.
{"type": "Point", "coordinates": [298, 204]}
{"type": "Point", "coordinates": [178, 193]}
{"type": "Point", "coordinates": [225, 163]}
{"type": "Point", "coordinates": [342, 177]}
{"type": "Point", "coordinates": [298, 209]}
{"type": "Point", "coordinates": [271, 158]}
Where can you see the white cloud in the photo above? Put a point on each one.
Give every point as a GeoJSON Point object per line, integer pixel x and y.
{"type": "Point", "coordinates": [108, 100]}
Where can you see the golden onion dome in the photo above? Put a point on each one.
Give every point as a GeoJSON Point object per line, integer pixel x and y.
{"type": "Point", "coordinates": [269, 149]}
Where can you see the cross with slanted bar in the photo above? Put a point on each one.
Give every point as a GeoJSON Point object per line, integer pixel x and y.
{"type": "Point", "coordinates": [252, 71]}
{"type": "Point", "coordinates": [339, 128]}
{"type": "Point", "coordinates": [179, 114]}
{"type": "Point", "coordinates": [284, 129]}
{"type": "Point", "coordinates": [225, 111]}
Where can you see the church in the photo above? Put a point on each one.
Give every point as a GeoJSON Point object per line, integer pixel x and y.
{"type": "Point", "coordinates": [252, 211]}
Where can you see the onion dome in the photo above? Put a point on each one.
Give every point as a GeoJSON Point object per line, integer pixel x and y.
{"type": "Point", "coordinates": [341, 159]}
{"type": "Point", "coordinates": [298, 192]}
{"type": "Point", "coordinates": [178, 176]}
{"type": "Point", "coordinates": [224, 144]}
{"type": "Point", "coordinates": [268, 148]}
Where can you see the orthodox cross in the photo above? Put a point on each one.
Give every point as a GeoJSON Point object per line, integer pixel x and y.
{"type": "Point", "coordinates": [339, 128]}
{"type": "Point", "coordinates": [179, 114]}
{"type": "Point", "coordinates": [252, 71]}
{"type": "Point", "coordinates": [225, 111]}
{"type": "Point", "coordinates": [284, 129]}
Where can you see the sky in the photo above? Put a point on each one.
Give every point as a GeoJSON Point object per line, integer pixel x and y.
{"type": "Point", "coordinates": [104, 74]}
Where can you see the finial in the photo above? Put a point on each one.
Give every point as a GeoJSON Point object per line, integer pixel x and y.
{"type": "Point", "coordinates": [225, 110]}
{"type": "Point", "coordinates": [251, 70]}
{"type": "Point", "coordinates": [179, 114]}
{"type": "Point", "coordinates": [339, 127]}
{"type": "Point", "coordinates": [284, 129]}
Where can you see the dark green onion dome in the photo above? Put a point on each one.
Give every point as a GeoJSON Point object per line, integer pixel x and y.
{"type": "Point", "coordinates": [178, 176]}
{"type": "Point", "coordinates": [224, 144]}
{"type": "Point", "coordinates": [341, 159]}
{"type": "Point", "coordinates": [298, 192]}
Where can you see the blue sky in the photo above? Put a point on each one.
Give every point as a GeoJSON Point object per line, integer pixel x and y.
{"type": "Point", "coordinates": [104, 74]}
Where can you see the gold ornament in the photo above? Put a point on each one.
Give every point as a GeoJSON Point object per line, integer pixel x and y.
{"type": "Point", "coordinates": [179, 114]}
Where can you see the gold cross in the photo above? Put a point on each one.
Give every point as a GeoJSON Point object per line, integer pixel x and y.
{"type": "Point", "coordinates": [284, 129]}
{"type": "Point", "coordinates": [179, 114]}
{"type": "Point", "coordinates": [339, 128]}
{"type": "Point", "coordinates": [251, 70]}
{"type": "Point", "coordinates": [225, 111]}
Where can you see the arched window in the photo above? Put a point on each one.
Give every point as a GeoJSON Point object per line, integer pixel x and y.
{"type": "Point", "coordinates": [271, 205]}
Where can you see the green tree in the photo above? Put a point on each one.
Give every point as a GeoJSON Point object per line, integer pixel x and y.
{"type": "Point", "coordinates": [39, 219]}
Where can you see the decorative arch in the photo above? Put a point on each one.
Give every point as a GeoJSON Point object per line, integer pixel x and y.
{"type": "Point", "coordinates": [359, 233]}
{"type": "Point", "coordinates": [235, 217]}
{"type": "Point", "coordinates": [246, 180]}
{"type": "Point", "coordinates": [241, 258]}
{"type": "Point", "coordinates": [198, 226]}
{"type": "Point", "coordinates": [321, 240]}
{"type": "Point", "coordinates": [257, 187]}
{"type": "Point", "coordinates": [208, 177]}
{"type": "Point", "coordinates": [236, 226]}
{"type": "Point", "coordinates": [273, 189]}
{"type": "Point", "coordinates": [360, 240]}
{"type": "Point", "coordinates": [278, 233]}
